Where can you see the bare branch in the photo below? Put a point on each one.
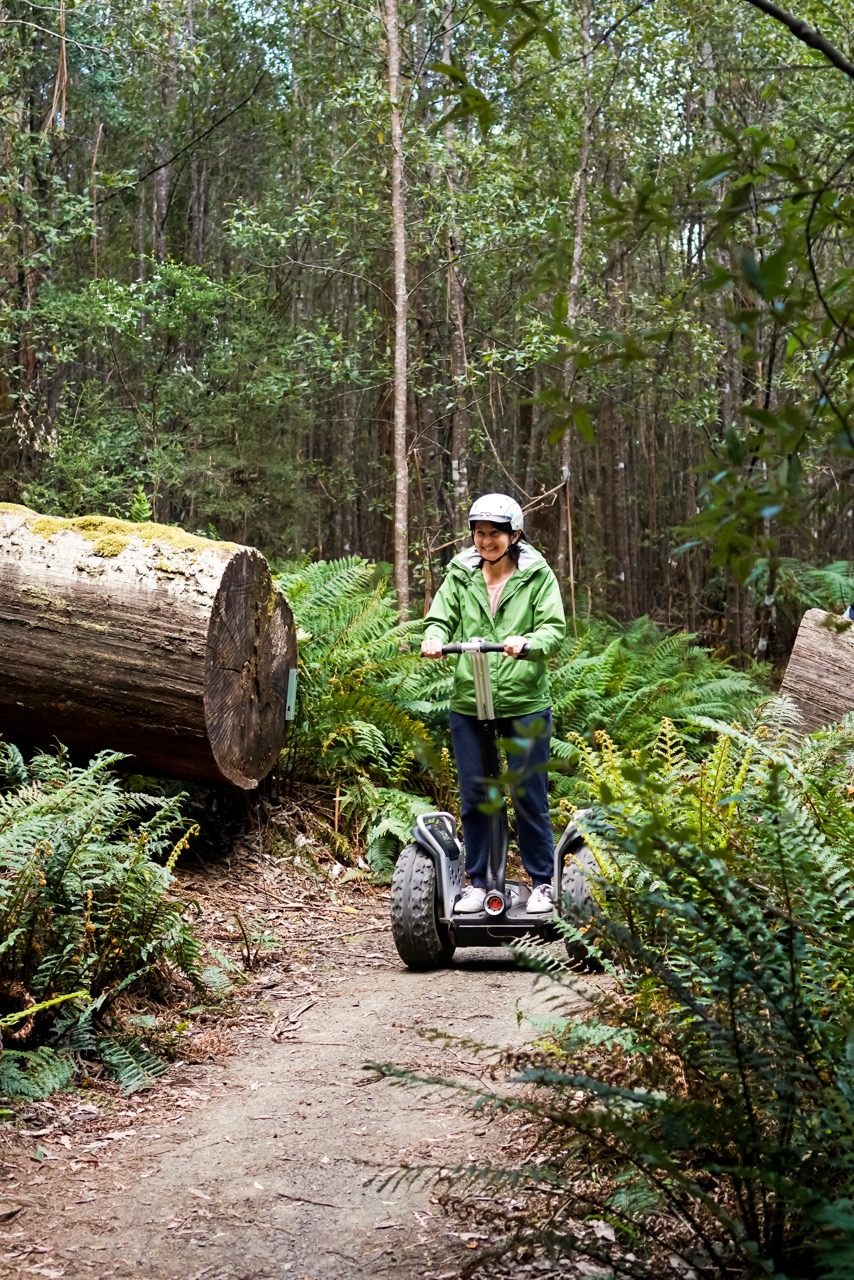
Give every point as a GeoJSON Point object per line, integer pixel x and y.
{"type": "Point", "coordinates": [808, 35]}
{"type": "Point", "coordinates": [194, 142]}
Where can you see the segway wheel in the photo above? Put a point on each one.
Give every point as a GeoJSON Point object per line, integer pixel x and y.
{"type": "Point", "coordinates": [422, 941]}
{"type": "Point", "coordinates": [581, 868]}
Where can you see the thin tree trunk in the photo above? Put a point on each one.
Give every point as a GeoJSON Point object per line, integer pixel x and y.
{"type": "Point", "coordinates": [401, 470]}
{"type": "Point", "coordinates": [565, 558]}
{"type": "Point", "coordinates": [456, 306]}
{"type": "Point", "coordinates": [198, 182]}
{"type": "Point", "coordinates": [162, 178]}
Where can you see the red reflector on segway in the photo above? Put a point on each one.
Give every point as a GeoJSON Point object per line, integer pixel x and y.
{"type": "Point", "coordinates": [494, 902]}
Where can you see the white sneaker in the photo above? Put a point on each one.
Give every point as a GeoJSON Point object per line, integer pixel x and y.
{"type": "Point", "coordinates": [540, 900]}
{"type": "Point", "coordinates": [471, 901]}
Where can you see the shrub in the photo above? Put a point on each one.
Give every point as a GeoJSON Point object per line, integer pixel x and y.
{"type": "Point", "coordinates": [714, 1085]}
{"type": "Point", "coordinates": [85, 913]}
{"type": "Point", "coordinates": [704, 1107]}
{"type": "Point", "coordinates": [627, 679]}
{"type": "Point", "coordinates": [357, 710]}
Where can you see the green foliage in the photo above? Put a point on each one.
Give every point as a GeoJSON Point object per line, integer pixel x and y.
{"type": "Point", "coordinates": [140, 508]}
{"type": "Point", "coordinates": [35, 1074]}
{"type": "Point", "coordinates": [131, 1065]}
{"type": "Point", "coordinates": [625, 680]}
{"type": "Point", "coordinates": [724, 1098]}
{"type": "Point", "coordinates": [357, 674]}
{"type": "Point", "coordinates": [804, 586]}
{"type": "Point", "coordinates": [85, 905]}
{"type": "Point", "coordinates": [384, 818]}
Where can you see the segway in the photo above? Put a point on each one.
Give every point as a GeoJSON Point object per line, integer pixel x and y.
{"type": "Point", "coordinates": [429, 875]}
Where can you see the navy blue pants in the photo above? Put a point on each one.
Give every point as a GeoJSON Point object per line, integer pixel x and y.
{"type": "Point", "coordinates": [530, 793]}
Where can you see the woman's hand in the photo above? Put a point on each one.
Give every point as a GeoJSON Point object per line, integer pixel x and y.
{"type": "Point", "coordinates": [431, 647]}
{"type": "Point", "coordinates": [514, 646]}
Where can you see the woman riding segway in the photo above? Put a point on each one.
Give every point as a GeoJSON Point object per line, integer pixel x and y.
{"type": "Point", "coordinates": [502, 590]}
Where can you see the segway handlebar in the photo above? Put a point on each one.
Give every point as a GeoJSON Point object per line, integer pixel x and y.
{"type": "Point", "coordinates": [472, 646]}
{"type": "Point", "coordinates": [475, 646]}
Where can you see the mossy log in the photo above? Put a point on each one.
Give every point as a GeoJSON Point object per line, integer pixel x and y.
{"type": "Point", "coordinates": [142, 638]}
{"type": "Point", "coordinates": [820, 676]}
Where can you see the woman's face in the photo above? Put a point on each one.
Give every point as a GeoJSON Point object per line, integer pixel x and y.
{"type": "Point", "coordinates": [491, 543]}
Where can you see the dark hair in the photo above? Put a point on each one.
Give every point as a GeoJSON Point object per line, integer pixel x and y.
{"type": "Point", "coordinates": [515, 549]}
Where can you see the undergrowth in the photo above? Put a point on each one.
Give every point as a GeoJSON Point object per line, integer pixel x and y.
{"type": "Point", "coordinates": [704, 1108]}
{"type": "Point", "coordinates": [360, 728]}
{"type": "Point", "coordinates": [85, 915]}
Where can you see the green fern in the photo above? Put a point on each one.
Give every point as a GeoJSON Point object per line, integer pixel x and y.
{"type": "Point", "coordinates": [130, 1064]}
{"type": "Point", "coordinates": [358, 712]}
{"type": "Point", "coordinates": [803, 586]}
{"type": "Point", "coordinates": [35, 1074]}
{"type": "Point", "coordinates": [384, 817]}
{"type": "Point", "coordinates": [86, 871]}
{"type": "Point", "coordinates": [627, 680]}
{"type": "Point", "coordinates": [140, 508]}
{"type": "Point", "coordinates": [727, 893]}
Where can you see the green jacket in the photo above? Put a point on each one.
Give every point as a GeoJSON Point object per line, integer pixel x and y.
{"type": "Point", "coordinates": [530, 606]}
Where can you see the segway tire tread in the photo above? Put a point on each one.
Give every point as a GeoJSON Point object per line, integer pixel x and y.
{"type": "Point", "coordinates": [422, 941]}
{"type": "Point", "coordinates": [581, 867]}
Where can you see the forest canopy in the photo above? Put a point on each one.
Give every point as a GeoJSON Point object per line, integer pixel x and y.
{"type": "Point", "coordinates": [628, 283]}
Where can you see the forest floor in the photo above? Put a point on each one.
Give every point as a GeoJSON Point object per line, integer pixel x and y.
{"type": "Point", "coordinates": [270, 1148]}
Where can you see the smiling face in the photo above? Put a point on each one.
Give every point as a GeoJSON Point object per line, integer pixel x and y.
{"type": "Point", "coordinates": [491, 543]}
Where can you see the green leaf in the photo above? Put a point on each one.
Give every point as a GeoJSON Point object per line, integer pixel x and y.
{"type": "Point", "coordinates": [714, 169]}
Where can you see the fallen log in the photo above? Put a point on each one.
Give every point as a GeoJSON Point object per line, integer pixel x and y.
{"type": "Point", "coordinates": [820, 676]}
{"type": "Point", "coordinates": [146, 639]}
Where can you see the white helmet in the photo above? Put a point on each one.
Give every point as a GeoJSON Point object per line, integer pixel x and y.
{"type": "Point", "coordinates": [497, 508]}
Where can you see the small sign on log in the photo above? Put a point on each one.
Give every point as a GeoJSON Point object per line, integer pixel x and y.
{"type": "Point", "coordinates": [820, 676]}
{"type": "Point", "coordinates": [146, 639]}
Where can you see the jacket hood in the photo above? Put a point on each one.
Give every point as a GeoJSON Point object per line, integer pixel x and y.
{"type": "Point", "coordinates": [469, 560]}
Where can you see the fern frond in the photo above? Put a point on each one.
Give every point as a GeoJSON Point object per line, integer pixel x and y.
{"type": "Point", "coordinates": [130, 1064]}
{"type": "Point", "coordinates": [34, 1074]}
{"type": "Point", "coordinates": [669, 747]}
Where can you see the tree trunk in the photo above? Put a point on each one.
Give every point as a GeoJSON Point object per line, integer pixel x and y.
{"type": "Point", "coordinates": [144, 639]}
{"type": "Point", "coordinates": [401, 469]}
{"type": "Point", "coordinates": [565, 558]}
{"type": "Point", "coordinates": [162, 180]}
{"type": "Point", "coordinates": [456, 308]}
{"type": "Point", "coordinates": [198, 182]}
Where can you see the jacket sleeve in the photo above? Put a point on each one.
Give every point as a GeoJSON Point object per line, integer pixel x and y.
{"type": "Point", "coordinates": [443, 617]}
{"type": "Point", "coordinates": [549, 618]}
{"type": "Point", "coordinates": [442, 621]}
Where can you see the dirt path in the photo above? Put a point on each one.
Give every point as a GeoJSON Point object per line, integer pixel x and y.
{"type": "Point", "coordinates": [271, 1162]}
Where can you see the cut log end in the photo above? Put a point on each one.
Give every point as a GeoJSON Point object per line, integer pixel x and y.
{"type": "Point", "coordinates": [250, 651]}
{"type": "Point", "coordinates": [820, 676]}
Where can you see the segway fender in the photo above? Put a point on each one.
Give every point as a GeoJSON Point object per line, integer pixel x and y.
{"type": "Point", "coordinates": [575, 886]}
{"type": "Point", "coordinates": [436, 834]}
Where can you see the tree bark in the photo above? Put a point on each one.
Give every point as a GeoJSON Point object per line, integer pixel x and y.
{"type": "Point", "coordinates": [820, 676]}
{"type": "Point", "coordinates": [162, 179]}
{"type": "Point", "coordinates": [401, 469]}
{"type": "Point", "coordinates": [456, 308]}
{"type": "Point", "coordinates": [144, 639]}
{"type": "Point", "coordinates": [565, 557]}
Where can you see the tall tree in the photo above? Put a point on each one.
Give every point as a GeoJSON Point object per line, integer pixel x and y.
{"type": "Point", "coordinates": [401, 317]}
